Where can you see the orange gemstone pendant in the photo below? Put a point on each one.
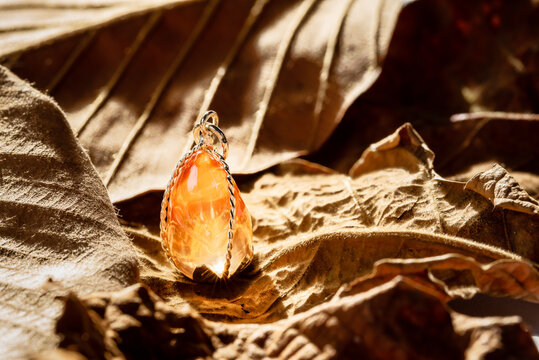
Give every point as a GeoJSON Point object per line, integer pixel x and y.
{"type": "Point", "coordinates": [205, 227]}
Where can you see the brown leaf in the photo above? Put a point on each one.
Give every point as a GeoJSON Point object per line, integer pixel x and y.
{"type": "Point", "coordinates": [457, 276]}
{"type": "Point", "coordinates": [56, 220]}
{"type": "Point", "coordinates": [452, 57]}
{"type": "Point", "coordinates": [134, 90]}
{"type": "Point", "coordinates": [439, 196]}
{"type": "Point", "coordinates": [399, 319]}
{"type": "Point", "coordinates": [503, 190]}
{"type": "Point", "coordinates": [403, 149]}
{"type": "Point", "coordinates": [132, 323]}
{"type": "Point", "coordinates": [495, 337]}
{"type": "Point", "coordinates": [315, 230]}
{"type": "Point", "coordinates": [475, 141]}
{"type": "Point", "coordinates": [25, 24]}
{"type": "Point", "coordinates": [281, 74]}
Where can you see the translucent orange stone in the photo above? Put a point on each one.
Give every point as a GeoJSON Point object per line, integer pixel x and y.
{"type": "Point", "coordinates": [198, 217]}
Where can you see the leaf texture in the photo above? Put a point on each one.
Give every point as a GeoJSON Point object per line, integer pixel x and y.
{"type": "Point", "coordinates": [56, 221]}
{"type": "Point", "coordinates": [457, 276]}
{"type": "Point", "coordinates": [393, 320]}
{"type": "Point", "coordinates": [315, 229]}
{"type": "Point", "coordinates": [26, 24]}
{"type": "Point", "coordinates": [134, 90]}
{"type": "Point", "coordinates": [362, 260]}
{"type": "Point", "coordinates": [503, 190]}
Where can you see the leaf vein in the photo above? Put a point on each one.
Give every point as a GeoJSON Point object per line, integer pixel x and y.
{"type": "Point", "coordinates": [156, 95]}
{"type": "Point", "coordinates": [113, 81]}
{"type": "Point", "coordinates": [277, 65]}
{"type": "Point", "coordinates": [254, 14]}
{"type": "Point", "coordinates": [329, 56]}
{"type": "Point", "coordinates": [70, 61]}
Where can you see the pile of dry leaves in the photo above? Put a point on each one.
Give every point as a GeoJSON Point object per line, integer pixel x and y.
{"type": "Point", "coordinates": [334, 110]}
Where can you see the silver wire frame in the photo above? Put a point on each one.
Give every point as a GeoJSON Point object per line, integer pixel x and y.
{"type": "Point", "coordinates": [166, 197]}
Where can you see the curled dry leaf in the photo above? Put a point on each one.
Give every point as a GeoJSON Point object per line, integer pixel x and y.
{"type": "Point", "coordinates": [56, 220]}
{"type": "Point", "coordinates": [503, 190]}
{"type": "Point", "coordinates": [450, 57]}
{"type": "Point", "coordinates": [457, 276]}
{"type": "Point", "coordinates": [394, 206]}
{"type": "Point", "coordinates": [512, 230]}
{"type": "Point", "coordinates": [398, 319]}
{"type": "Point", "coordinates": [280, 74]}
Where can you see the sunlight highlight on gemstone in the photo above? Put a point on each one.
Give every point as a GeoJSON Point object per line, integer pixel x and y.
{"type": "Point", "coordinates": [199, 215]}
{"type": "Point", "coordinates": [218, 267]}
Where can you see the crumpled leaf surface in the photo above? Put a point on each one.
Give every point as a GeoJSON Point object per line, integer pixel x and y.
{"type": "Point", "coordinates": [345, 264]}
{"type": "Point", "coordinates": [56, 221]}
{"type": "Point", "coordinates": [394, 206]}
{"type": "Point", "coordinates": [404, 150]}
{"type": "Point", "coordinates": [457, 276]}
{"type": "Point", "coordinates": [503, 190]}
{"type": "Point", "coordinates": [347, 327]}
{"type": "Point", "coordinates": [280, 76]}
{"type": "Point", "coordinates": [136, 324]}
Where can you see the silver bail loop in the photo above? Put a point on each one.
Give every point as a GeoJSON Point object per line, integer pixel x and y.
{"type": "Point", "coordinates": [207, 128]}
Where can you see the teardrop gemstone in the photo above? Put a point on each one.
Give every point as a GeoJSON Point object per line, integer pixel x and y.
{"type": "Point", "coordinates": [198, 218]}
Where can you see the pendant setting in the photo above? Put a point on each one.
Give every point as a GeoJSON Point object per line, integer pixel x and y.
{"type": "Point", "coordinates": [206, 228]}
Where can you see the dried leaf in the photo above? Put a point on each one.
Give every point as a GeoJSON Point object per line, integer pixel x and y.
{"type": "Point", "coordinates": [436, 198]}
{"type": "Point", "coordinates": [403, 149]}
{"type": "Point", "coordinates": [503, 190]}
{"type": "Point", "coordinates": [57, 222]}
{"type": "Point", "coordinates": [450, 57]}
{"type": "Point", "coordinates": [457, 276]}
{"type": "Point", "coordinates": [393, 320]}
{"type": "Point", "coordinates": [395, 207]}
{"type": "Point", "coordinates": [135, 324]}
{"type": "Point", "coordinates": [26, 24]}
{"type": "Point", "coordinates": [474, 142]}
{"type": "Point", "coordinates": [134, 77]}
{"type": "Point", "coordinates": [134, 91]}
